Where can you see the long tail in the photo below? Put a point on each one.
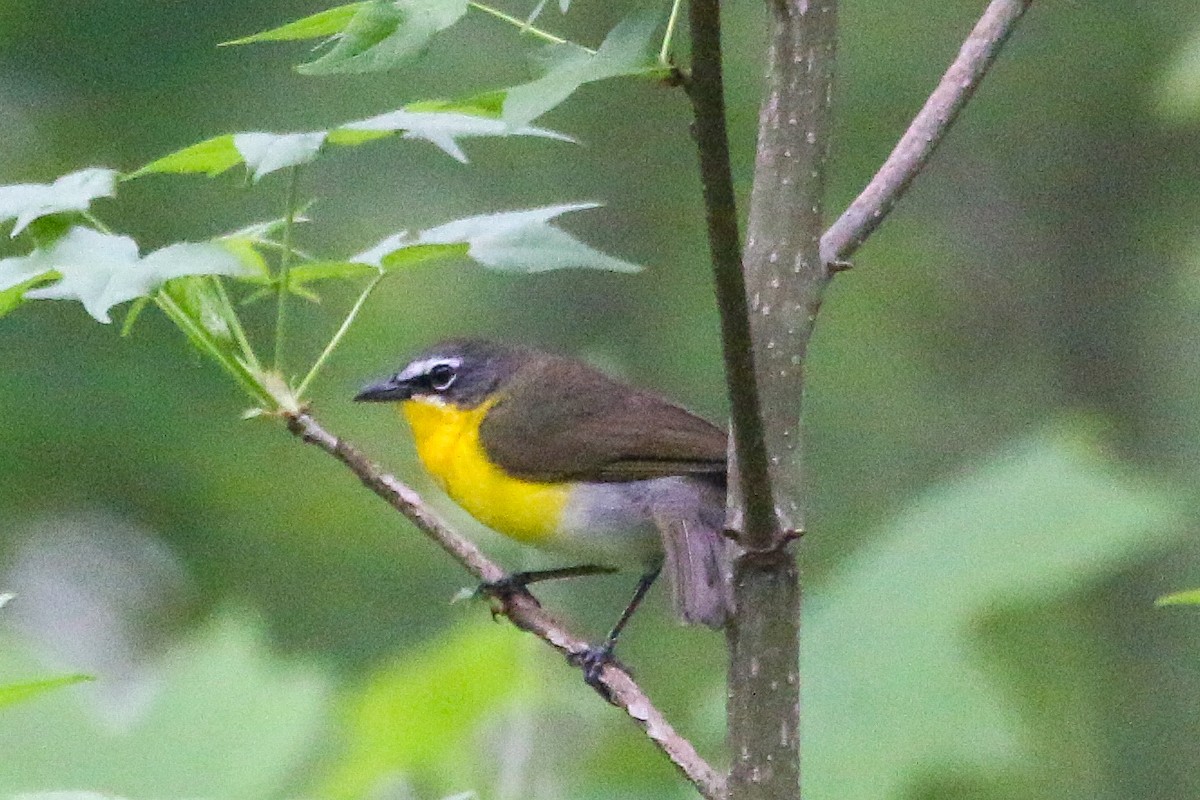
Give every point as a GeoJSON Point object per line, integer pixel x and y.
{"type": "Point", "coordinates": [690, 519]}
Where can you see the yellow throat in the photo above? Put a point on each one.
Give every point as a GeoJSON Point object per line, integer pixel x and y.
{"type": "Point", "coordinates": [447, 440]}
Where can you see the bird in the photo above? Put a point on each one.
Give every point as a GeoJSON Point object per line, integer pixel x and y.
{"type": "Point", "coordinates": [556, 454]}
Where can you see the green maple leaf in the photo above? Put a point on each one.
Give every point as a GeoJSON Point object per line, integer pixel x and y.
{"type": "Point", "coordinates": [102, 270]}
{"type": "Point", "coordinates": [518, 241]}
{"type": "Point", "coordinates": [26, 202]}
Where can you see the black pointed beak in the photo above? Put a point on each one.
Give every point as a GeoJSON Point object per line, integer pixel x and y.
{"type": "Point", "coordinates": [387, 390]}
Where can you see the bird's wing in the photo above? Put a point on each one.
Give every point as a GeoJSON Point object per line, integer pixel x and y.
{"type": "Point", "coordinates": [595, 429]}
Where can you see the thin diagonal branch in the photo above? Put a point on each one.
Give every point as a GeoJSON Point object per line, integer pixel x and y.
{"type": "Point", "coordinates": [925, 133]}
{"type": "Point", "coordinates": [522, 610]}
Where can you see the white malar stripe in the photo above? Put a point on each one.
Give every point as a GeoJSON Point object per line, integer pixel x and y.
{"type": "Point", "coordinates": [429, 400]}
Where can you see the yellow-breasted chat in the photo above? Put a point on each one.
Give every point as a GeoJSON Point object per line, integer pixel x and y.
{"type": "Point", "coordinates": [556, 454]}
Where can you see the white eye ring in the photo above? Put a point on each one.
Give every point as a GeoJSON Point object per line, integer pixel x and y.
{"type": "Point", "coordinates": [441, 376]}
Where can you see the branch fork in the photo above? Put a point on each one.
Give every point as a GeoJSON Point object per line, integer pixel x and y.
{"type": "Point", "coordinates": [765, 555]}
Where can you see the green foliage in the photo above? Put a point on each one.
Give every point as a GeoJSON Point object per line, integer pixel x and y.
{"type": "Point", "coordinates": [898, 694]}
{"type": "Point", "coordinates": [264, 153]}
{"type": "Point", "coordinates": [1187, 597]}
{"type": "Point", "coordinates": [368, 37]}
{"type": "Point", "coordinates": [382, 35]}
{"type": "Point", "coordinates": [510, 241]}
{"type": "Point", "coordinates": [420, 716]}
{"type": "Point", "coordinates": [16, 692]}
{"type": "Point", "coordinates": [441, 127]}
{"type": "Point", "coordinates": [225, 719]}
{"type": "Point", "coordinates": [101, 270]}
{"type": "Point", "coordinates": [1178, 97]}
{"type": "Point", "coordinates": [211, 157]}
{"type": "Point", "coordinates": [11, 693]}
{"type": "Point", "coordinates": [185, 281]}
{"type": "Point", "coordinates": [27, 202]}
{"type": "Point", "coordinates": [628, 50]}
{"type": "Point", "coordinates": [940, 682]}
{"type": "Point", "coordinates": [329, 22]}
{"type": "Point", "coordinates": [894, 686]}
{"type": "Point", "coordinates": [514, 241]}
{"type": "Point", "coordinates": [17, 276]}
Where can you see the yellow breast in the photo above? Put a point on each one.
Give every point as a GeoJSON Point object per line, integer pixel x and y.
{"type": "Point", "coordinates": [447, 440]}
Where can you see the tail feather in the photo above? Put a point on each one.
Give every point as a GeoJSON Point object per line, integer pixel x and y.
{"type": "Point", "coordinates": [697, 555]}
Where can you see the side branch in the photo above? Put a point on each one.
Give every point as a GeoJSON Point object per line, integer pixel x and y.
{"type": "Point", "coordinates": [925, 133]}
{"type": "Point", "coordinates": [521, 609]}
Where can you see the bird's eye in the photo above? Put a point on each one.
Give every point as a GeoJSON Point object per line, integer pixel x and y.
{"type": "Point", "coordinates": [441, 376]}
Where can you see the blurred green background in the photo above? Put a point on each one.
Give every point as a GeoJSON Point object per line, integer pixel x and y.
{"type": "Point", "coordinates": [1002, 417]}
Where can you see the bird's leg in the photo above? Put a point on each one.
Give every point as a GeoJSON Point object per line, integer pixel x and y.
{"type": "Point", "coordinates": [593, 659]}
{"type": "Point", "coordinates": [519, 581]}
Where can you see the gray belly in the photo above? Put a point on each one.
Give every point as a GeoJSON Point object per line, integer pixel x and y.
{"type": "Point", "coordinates": [613, 523]}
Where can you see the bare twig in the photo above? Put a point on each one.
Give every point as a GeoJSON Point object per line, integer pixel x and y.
{"type": "Point", "coordinates": [925, 133]}
{"type": "Point", "coordinates": [752, 508]}
{"type": "Point", "coordinates": [521, 609]}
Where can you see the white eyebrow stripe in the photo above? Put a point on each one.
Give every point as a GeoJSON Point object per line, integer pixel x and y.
{"type": "Point", "coordinates": [423, 367]}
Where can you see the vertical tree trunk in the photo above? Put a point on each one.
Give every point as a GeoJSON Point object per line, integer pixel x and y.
{"type": "Point", "coordinates": [785, 277]}
{"type": "Point", "coordinates": [768, 307]}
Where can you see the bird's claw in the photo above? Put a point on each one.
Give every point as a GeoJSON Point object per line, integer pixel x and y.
{"type": "Point", "coordinates": [592, 661]}
{"type": "Point", "coordinates": [507, 586]}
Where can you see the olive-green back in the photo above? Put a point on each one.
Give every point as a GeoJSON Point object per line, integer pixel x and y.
{"type": "Point", "coordinates": [559, 419]}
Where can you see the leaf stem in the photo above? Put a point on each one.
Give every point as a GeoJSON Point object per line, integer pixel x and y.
{"type": "Point", "coordinates": [664, 53]}
{"type": "Point", "coordinates": [267, 244]}
{"type": "Point", "coordinates": [285, 264]}
{"type": "Point", "coordinates": [235, 325]}
{"type": "Point", "coordinates": [523, 25]}
{"type": "Point", "coordinates": [200, 337]}
{"type": "Point", "coordinates": [96, 222]}
{"type": "Point", "coordinates": [337, 337]}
